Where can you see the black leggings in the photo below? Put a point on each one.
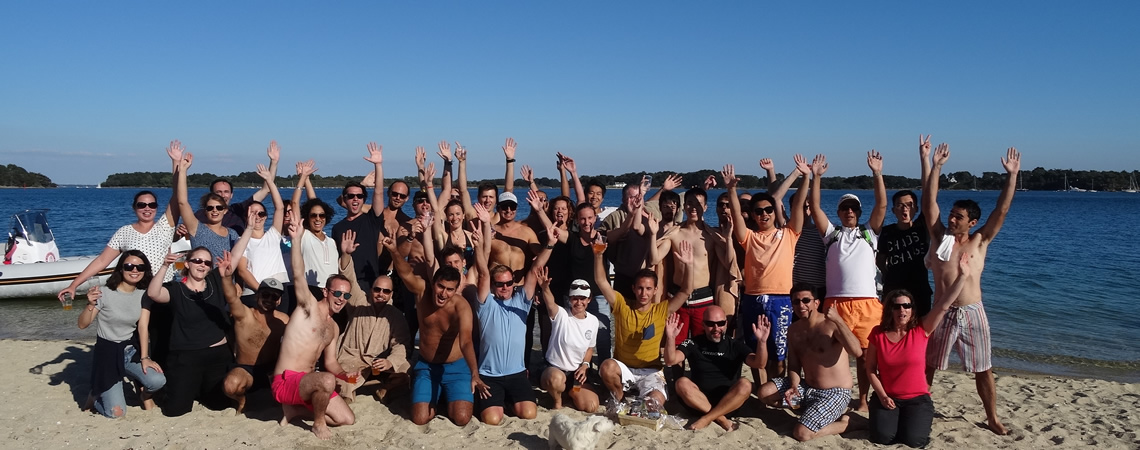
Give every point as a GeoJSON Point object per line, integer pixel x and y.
{"type": "Point", "coordinates": [907, 424]}
{"type": "Point", "coordinates": [195, 374]}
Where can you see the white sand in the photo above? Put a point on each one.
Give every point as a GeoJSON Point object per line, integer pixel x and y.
{"type": "Point", "coordinates": [46, 382]}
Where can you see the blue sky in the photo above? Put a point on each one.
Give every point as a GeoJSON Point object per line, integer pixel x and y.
{"type": "Point", "coordinates": [92, 88]}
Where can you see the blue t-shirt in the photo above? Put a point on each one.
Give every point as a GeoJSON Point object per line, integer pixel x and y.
{"type": "Point", "coordinates": [503, 339]}
{"type": "Point", "coordinates": [205, 237]}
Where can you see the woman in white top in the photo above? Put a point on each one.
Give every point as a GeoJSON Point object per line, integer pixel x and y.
{"type": "Point", "coordinates": [262, 257]}
{"type": "Point", "coordinates": [151, 233]}
{"type": "Point", "coordinates": [572, 339]}
{"type": "Point", "coordinates": [320, 250]}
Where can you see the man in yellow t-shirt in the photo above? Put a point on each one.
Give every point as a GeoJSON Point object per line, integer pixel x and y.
{"type": "Point", "coordinates": [639, 325]}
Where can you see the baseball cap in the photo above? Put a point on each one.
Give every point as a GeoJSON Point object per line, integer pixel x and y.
{"type": "Point", "coordinates": [576, 288]}
{"type": "Point", "coordinates": [272, 283]}
{"type": "Point", "coordinates": [508, 197]}
{"type": "Point", "coordinates": [847, 197]}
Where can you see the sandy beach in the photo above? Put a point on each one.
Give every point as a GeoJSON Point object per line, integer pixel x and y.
{"type": "Point", "coordinates": [47, 381]}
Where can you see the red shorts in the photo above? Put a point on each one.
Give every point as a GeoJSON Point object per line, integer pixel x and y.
{"type": "Point", "coordinates": [287, 389]}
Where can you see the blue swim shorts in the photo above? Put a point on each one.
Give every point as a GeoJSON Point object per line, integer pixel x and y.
{"type": "Point", "coordinates": [453, 378]}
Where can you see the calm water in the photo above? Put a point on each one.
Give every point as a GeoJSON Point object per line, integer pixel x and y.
{"type": "Point", "coordinates": [1058, 285]}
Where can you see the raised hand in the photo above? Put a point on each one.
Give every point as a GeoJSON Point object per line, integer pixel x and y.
{"type": "Point", "coordinates": [924, 147]}
{"type": "Point", "coordinates": [1012, 161]}
{"type": "Point", "coordinates": [728, 173]}
{"type": "Point", "coordinates": [389, 244]}
{"type": "Point", "coordinates": [645, 180]}
{"type": "Point", "coordinates": [558, 164]}
{"type": "Point", "coordinates": [671, 182]}
{"type": "Point", "coordinates": [174, 150]}
{"type": "Point", "coordinates": [429, 175]}
{"type": "Point", "coordinates": [875, 161]}
{"type": "Point", "coordinates": [802, 165]}
{"type": "Point", "coordinates": [535, 201]}
{"type": "Point", "coordinates": [476, 232]}
{"type": "Point", "coordinates": [767, 164]}
{"type": "Point", "coordinates": [421, 156]}
{"type": "Point", "coordinates": [482, 213]}
{"type": "Point", "coordinates": [509, 148]}
{"type": "Point", "coordinates": [542, 276]}
{"type": "Point", "coordinates": [294, 222]}
{"type": "Point", "coordinates": [375, 153]}
{"type": "Point", "coordinates": [273, 151]}
{"type": "Point", "coordinates": [819, 165]}
{"type": "Point", "coordinates": [942, 154]}
{"type": "Point", "coordinates": [527, 174]}
{"type": "Point", "coordinates": [761, 328]}
{"type": "Point", "coordinates": [673, 326]}
{"type": "Point", "coordinates": [369, 180]}
{"type": "Point", "coordinates": [348, 242]}
{"type": "Point", "coordinates": [833, 315]}
{"type": "Point", "coordinates": [187, 161]}
{"type": "Point", "coordinates": [964, 263]}
{"type": "Point", "coordinates": [264, 172]}
{"type": "Point", "coordinates": [710, 182]}
{"type": "Point", "coordinates": [652, 224]}
{"type": "Point", "coordinates": [684, 252]}
{"type": "Point", "coordinates": [250, 215]}
{"type": "Point", "coordinates": [225, 264]}
{"type": "Point", "coordinates": [569, 165]}
{"type": "Point", "coordinates": [445, 151]}
{"type": "Point", "coordinates": [460, 152]}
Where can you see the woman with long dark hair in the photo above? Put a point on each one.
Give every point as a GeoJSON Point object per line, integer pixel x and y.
{"type": "Point", "coordinates": [115, 312]}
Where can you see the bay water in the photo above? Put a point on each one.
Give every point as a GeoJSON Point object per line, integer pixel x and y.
{"type": "Point", "coordinates": [1058, 287]}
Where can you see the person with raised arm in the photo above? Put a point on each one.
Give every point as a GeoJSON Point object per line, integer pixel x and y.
{"type": "Point", "coordinates": [594, 193]}
{"type": "Point", "coordinates": [573, 337]}
{"type": "Point", "coordinates": [901, 409]}
{"type": "Point", "coordinates": [715, 387]}
{"type": "Point", "coordinates": [514, 243]}
{"type": "Point", "coordinates": [150, 233]}
{"type": "Point", "coordinates": [639, 325]}
{"type": "Point", "coordinates": [209, 233]}
{"type": "Point", "coordinates": [903, 244]}
{"type": "Point", "coordinates": [367, 226]}
{"type": "Point", "coordinates": [818, 345]}
{"type": "Point", "coordinates": [447, 363]}
{"type": "Point", "coordinates": [116, 353]}
{"type": "Point", "coordinates": [810, 265]}
{"type": "Point", "coordinates": [410, 233]}
{"type": "Point", "coordinates": [769, 253]}
{"type": "Point", "coordinates": [851, 248]}
{"type": "Point", "coordinates": [199, 356]}
{"type": "Point", "coordinates": [235, 216]}
{"type": "Point", "coordinates": [965, 324]}
{"type": "Point", "coordinates": [257, 330]}
{"type": "Point", "coordinates": [626, 237]}
{"type": "Point", "coordinates": [311, 334]}
{"type": "Point", "coordinates": [262, 258]}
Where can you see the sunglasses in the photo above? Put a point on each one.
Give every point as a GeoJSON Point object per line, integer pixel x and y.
{"type": "Point", "coordinates": [719, 323]}
{"type": "Point", "coordinates": [898, 306]}
{"type": "Point", "coordinates": [204, 262]}
{"type": "Point", "coordinates": [262, 214]}
{"type": "Point", "coordinates": [151, 205]}
{"type": "Point", "coordinates": [501, 284]}
{"type": "Point", "coordinates": [341, 294]}
{"type": "Point", "coordinates": [380, 290]}
{"type": "Point", "coordinates": [579, 286]}
{"type": "Point", "coordinates": [723, 205]}
{"type": "Point", "coordinates": [352, 196]}
{"type": "Point", "coordinates": [215, 207]}
{"type": "Point", "coordinates": [803, 301]}
{"type": "Point", "coordinates": [421, 200]}
{"type": "Point", "coordinates": [766, 210]}
{"type": "Point", "coordinates": [128, 267]}
{"type": "Point", "coordinates": [850, 208]}
{"type": "Point", "coordinates": [318, 215]}
{"type": "Point", "coordinates": [508, 206]}
{"type": "Point", "coordinates": [398, 195]}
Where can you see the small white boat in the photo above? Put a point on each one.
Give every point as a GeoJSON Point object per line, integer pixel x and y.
{"type": "Point", "coordinates": [1131, 185]}
{"type": "Point", "coordinates": [32, 265]}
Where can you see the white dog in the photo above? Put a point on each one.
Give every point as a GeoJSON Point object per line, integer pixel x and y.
{"type": "Point", "coordinates": [567, 434]}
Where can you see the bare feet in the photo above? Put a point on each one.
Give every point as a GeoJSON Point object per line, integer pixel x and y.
{"type": "Point", "coordinates": [89, 405]}
{"type": "Point", "coordinates": [240, 408]}
{"type": "Point", "coordinates": [861, 405]}
{"type": "Point", "coordinates": [322, 432]}
{"type": "Point", "coordinates": [147, 400]}
{"type": "Point", "coordinates": [728, 425]}
{"type": "Point", "coordinates": [699, 424]}
{"type": "Point", "coordinates": [290, 412]}
{"type": "Point", "coordinates": [996, 426]}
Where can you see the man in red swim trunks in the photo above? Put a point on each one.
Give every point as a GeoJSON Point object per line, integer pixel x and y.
{"type": "Point", "coordinates": [312, 332]}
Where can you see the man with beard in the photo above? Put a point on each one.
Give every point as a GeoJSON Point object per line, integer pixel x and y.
{"type": "Point", "coordinates": [367, 226]}
{"type": "Point", "coordinates": [258, 334]}
{"type": "Point", "coordinates": [716, 387]}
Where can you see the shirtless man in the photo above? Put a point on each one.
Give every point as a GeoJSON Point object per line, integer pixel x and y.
{"type": "Point", "coordinates": [818, 345]}
{"type": "Point", "coordinates": [257, 330]}
{"type": "Point", "coordinates": [710, 250]}
{"type": "Point", "coordinates": [965, 324]}
{"type": "Point", "coordinates": [311, 334]}
{"type": "Point", "coordinates": [447, 361]}
{"type": "Point", "coordinates": [515, 244]}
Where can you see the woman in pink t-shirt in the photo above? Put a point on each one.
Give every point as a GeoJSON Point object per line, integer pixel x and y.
{"type": "Point", "coordinates": [901, 410]}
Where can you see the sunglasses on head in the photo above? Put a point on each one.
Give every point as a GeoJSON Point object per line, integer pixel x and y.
{"type": "Point", "coordinates": [215, 208]}
{"type": "Point", "coordinates": [399, 195]}
{"type": "Point", "coordinates": [151, 205]}
{"type": "Point", "coordinates": [765, 210]}
{"type": "Point", "coordinates": [501, 284]}
{"type": "Point", "coordinates": [803, 301]}
{"type": "Point", "coordinates": [128, 267]}
{"type": "Point", "coordinates": [380, 290]}
{"type": "Point", "coordinates": [352, 196]}
{"type": "Point", "coordinates": [579, 286]}
{"type": "Point", "coordinates": [341, 294]}
{"type": "Point", "coordinates": [204, 262]}
{"type": "Point", "coordinates": [718, 323]}
{"type": "Point", "coordinates": [318, 215]}
{"type": "Point", "coordinates": [898, 306]}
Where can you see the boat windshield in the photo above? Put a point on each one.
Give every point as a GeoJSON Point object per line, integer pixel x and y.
{"type": "Point", "coordinates": [31, 225]}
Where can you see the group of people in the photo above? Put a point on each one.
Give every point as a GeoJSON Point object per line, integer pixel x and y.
{"type": "Point", "coordinates": [623, 297]}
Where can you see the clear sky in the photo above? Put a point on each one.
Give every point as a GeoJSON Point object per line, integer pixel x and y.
{"type": "Point", "coordinates": [92, 88]}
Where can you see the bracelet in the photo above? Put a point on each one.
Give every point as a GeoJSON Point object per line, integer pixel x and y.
{"type": "Point", "coordinates": [549, 246]}
{"type": "Point", "coordinates": [510, 160]}
{"type": "Point", "coordinates": [146, 358]}
{"type": "Point", "coordinates": [584, 363]}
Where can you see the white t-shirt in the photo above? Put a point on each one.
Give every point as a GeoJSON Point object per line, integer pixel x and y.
{"type": "Point", "coordinates": [265, 258]}
{"type": "Point", "coordinates": [570, 337]}
{"type": "Point", "coordinates": [321, 258]}
{"type": "Point", "coordinates": [851, 263]}
{"type": "Point", "coordinates": [154, 243]}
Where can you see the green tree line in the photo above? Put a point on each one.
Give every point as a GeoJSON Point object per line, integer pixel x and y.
{"type": "Point", "coordinates": [1039, 179]}
{"type": "Point", "coordinates": [15, 176]}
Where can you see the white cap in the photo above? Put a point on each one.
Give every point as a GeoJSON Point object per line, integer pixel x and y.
{"type": "Point", "coordinates": [847, 197]}
{"type": "Point", "coordinates": [508, 197]}
{"type": "Point", "coordinates": [576, 288]}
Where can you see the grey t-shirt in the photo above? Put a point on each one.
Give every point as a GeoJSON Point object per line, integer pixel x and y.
{"type": "Point", "coordinates": [118, 314]}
